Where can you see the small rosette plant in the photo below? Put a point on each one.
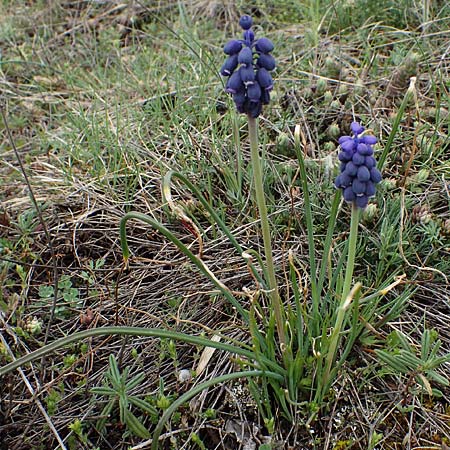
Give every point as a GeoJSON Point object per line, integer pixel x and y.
{"type": "Point", "coordinates": [248, 68]}
{"type": "Point", "coordinates": [358, 175]}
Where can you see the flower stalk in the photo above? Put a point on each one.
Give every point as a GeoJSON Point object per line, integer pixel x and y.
{"type": "Point", "coordinates": [347, 293]}
{"type": "Point", "coordinates": [261, 202]}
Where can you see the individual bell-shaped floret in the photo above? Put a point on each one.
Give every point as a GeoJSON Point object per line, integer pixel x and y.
{"type": "Point", "coordinates": [232, 47]}
{"type": "Point", "coordinates": [370, 189]}
{"type": "Point", "coordinates": [239, 99]}
{"type": "Point", "coordinates": [229, 66]}
{"type": "Point", "coordinates": [254, 92]}
{"type": "Point", "coordinates": [358, 159]}
{"type": "Point", "coordinates": [361, 201]}
{"type": "Point", "coordinates": [234, 83]}
{"type": "Point", "coordinates": [370, 162]}
{"type": "Point", "coordinates": [264, 78]}
{"type": "Point", "coordinates": [358, 187]}
{"type": "Point", "coordinates": [356, 128]}
{"type": "Point", "coordinates": [254, 109]}
{"type": "Point", "coordinates": [364, 149]}
{"type": "Point", "coordinates": [368, 139]}
{"type": "Point", "coordinates": [249, 37]}
{"type": "Point", "coordinates": [349, 195]}
{"type": "Point", "coordinates": [375, 175]}
{"type": "Point", "coordinates": [348, 145]}
{"type": "Point", "coordinates": [247, 74]}
{"type": "Point", "coordinates": [351, 169]}
{"type": "Point", "coordinates": [266, 61]}
{"type": "Point", "coordinates": [265, 96]}
{"type": "Point", "coordinates": [246, 56]}
{"type": "Point", "coordinates": [363, 174]}
{"type": "Point", "coordinates": [264, 45]}
{"type": "Point", "coordinates": [246, 22]}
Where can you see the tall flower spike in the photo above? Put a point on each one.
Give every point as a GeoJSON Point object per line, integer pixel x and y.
{"type": "Point", "coordinates": [358, 175]}
{"type": "Point", "coordinates": [247, 66]}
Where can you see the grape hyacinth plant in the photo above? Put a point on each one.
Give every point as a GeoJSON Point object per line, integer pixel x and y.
{"type": "Point", "coordinates": [250, 85]}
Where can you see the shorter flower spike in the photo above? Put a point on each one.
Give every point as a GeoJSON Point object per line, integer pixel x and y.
{"type": "Point", "coordinates": [247, 66]}
{"type": "Point", "coordinates": [358, 173]}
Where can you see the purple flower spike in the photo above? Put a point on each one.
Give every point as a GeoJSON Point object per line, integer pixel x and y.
{"type": "Point", "coordinates": [247, 66]}
{"type": "Point", "coordinates": [358, 173]}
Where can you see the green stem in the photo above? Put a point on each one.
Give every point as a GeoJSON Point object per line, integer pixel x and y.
{"type": "Point", "coordinates": [395, 126]}
{"type": "Point", "coordinates": [237, 143]}
{"type": "Point", "coordinates": [315, 293]}
{"type": "Point", "coordinates": [260, 200]}
{"type": "Point", "coordinates": [328, 239]}
{"type": "Point", "coordinates": [137, 331]}
{"type": "Point", "coordinates": [343, 306]}
{"type": "Point", "coordinates": [352, 239]}
{"type": "Point", "coordinates": [199, 388]}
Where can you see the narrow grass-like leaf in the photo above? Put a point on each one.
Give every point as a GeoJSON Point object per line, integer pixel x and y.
{"type": "Point", "coordinates": [135, 381]}
{"type": "Point", "coordinates": [143, 405]}
{"type": "Point", "coordinates": [123, 407]}
{"type": "Point", "coordinates": [114, 370]}
{"type": "Point", "coordinates": [137, 331]}
{"type": "Point", "coordinates": [103, 391]}
{"type": "Point", "coordinates": [135, 425]}
{"type": "Point", "coordinates": [328, 239]}
{"type": "Point", "coordinates": [392, 361]}
{"type": "Point", "coordinates": [395, 126]}
{"type": "Point", "coordinates": [101, 423]}
{"type": "Point", "coordinates": [438, 378]}
{"type": "Point", "coordinates": [167, 182]}
{"type": "Point", "coordinates": [425, 344]}
{"type": "Point", "coordinates": [310, 232]}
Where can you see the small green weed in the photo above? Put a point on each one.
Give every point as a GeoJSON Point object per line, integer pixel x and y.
{"type": "Point", "coordinates": [118, 388]}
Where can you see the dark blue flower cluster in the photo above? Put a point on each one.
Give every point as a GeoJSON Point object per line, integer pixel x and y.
{"type": "Point", "coordinates": [359, 174]}
{"type": "Point", "coordinates": [247, 66]}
